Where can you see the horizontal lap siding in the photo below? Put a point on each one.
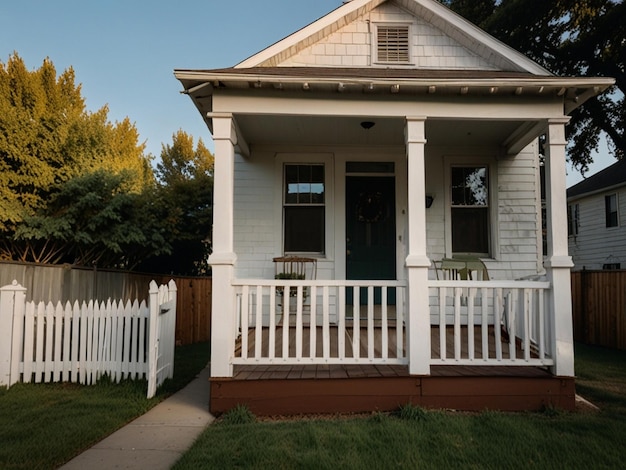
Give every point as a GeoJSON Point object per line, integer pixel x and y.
{"type": "Point", "coordinates": [595, 244]}
{"type": "Point", "coordinates": [519, 227]}
{"type": "Point", "coordinates": [254, 224]}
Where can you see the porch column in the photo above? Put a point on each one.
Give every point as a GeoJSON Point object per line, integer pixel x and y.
{"type": "Point", "coordinates": [223, 257]}
{"type": "Point", "coordinates": [417, 261]}
{"type": "Point", "coordinates": [558, 263]}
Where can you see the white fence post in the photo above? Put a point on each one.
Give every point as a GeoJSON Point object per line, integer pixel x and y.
{"type": "Point", "coordinates": [12, 303]}
{"type": "Point", "coordinates": [153, 307]}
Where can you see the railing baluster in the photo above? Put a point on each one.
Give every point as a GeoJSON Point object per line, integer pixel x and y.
{"type": "Point", "coordinates": [541, 324]}
{"type": "Point", "coordinates": [383, 326]}
{"type": "Point", "coordinates": [285, 322]}
{"type": "Point", "coordinates": [325, 323]}
{"type": "Point", "coordinates": [370, 322]}
{"type": "Point", "coordinates": [497, 321]}
{"type": "Point", "coordinates": [457, 322]}
{"type": "Point", "coordinates": [271, 341]}
{"type": "Point", "coordinates": [258, 328]}
{"type": "Point", "coordinates": [442, 322]}
{"type": "Point", "coordinates": [244, 321]}
{"type": "Point", "coordinates": [512, 320]}
{"type": "Point", "coordinates": [341, 326]}
{"type": "Point", "coordinates": [313, 323]}
{"type": "Point", "coordinates": [299, 325]}
{"type": "Point", "coordinates": [527, 310]}
{"type": "Point", "coordinates": [400, 306]}
{"type": "Point", "coordinates": [470, 322]}
{"type": "Point", "coordinates": [356, 322]}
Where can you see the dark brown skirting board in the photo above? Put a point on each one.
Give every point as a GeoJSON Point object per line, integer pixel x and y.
{"type": "Point", "coordinates": [271, 390]}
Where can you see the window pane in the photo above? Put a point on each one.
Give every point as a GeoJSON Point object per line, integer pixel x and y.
{"type": "Point", "coordinates": [469, 186]}
{"type": "Point", "coordinates": [610, 203]}
{"type": "Point", "coordinates": [304, 184]}
{"type": "Point", "coordinates": [470, 230]}
{"type": "Point", "coordinates": [304, 229]}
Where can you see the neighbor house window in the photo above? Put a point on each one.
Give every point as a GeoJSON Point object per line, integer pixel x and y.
{"type": "Point", "coordinates": [392, 44]}
{"type": "Point", "coordinates": [610, 208]}
{"type": "Point", "coordinates": [572, 219]}
{"type": "Point", "coordinates": [304, 208]}
{"type": "Point", "coordinates": [470, 209]}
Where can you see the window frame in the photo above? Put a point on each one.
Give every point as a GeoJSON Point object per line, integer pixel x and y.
{"type": "Point", "coordinates": [610, 214]}
{"type": "Point", "coordinates": [573, 219]}
{"type": "Point", "coordinates": [280, 160]}
{"type": "Point", "coordinates": [492, 222]}
{"type": "Point", "coordinates": [375, 43]}
{"type": "Point", "coordinates": [287, 205]}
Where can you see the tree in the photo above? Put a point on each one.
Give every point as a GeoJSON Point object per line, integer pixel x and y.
{"type": "Point", "coordinates": [94, 218]}
{"type": "Point", "coordinates": [570, 38]}
{"type": "Point", "coordinates": [185, 179]}
{"type": "Point", "coordinates": [47, 137]}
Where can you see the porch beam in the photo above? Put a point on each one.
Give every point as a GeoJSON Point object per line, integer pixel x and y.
{"type": "Point", "coordinates": [559, 263]}
{"type": "Point", "coordinates": [523, 136]}
{"type": "Point", "coordinates": [223, 258]}
{"type": "Point", "coordinates": [417, 261]}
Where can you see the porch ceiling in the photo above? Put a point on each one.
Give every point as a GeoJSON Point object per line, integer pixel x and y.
{"type": "Point", "coordinates": [341, 131]}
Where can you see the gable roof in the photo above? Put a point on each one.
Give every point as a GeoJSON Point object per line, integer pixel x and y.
{"type": "Point", "coordinates": [611, 177]}
{"type": "Point", "coordinates": [454, 25]}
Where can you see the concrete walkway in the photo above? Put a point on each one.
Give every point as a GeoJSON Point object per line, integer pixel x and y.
{"type": "Point", "coordinates": [157, 439]}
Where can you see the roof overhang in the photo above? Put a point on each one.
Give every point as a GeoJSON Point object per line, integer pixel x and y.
{"type": "Point", "coordinates": [574, 91]}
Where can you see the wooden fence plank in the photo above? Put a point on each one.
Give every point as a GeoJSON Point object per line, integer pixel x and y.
{"type": "Point", "coordinates": [599, 307]}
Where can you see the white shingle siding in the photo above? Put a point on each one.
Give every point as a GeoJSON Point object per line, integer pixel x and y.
{"type": "Point", "coordinates": [351, 45]}
{"type": "Point", "coordinates": [596, 244]}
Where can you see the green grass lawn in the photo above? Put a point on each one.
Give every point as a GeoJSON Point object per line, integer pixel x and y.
{"type": "Point", "coordinates": [437, 439]}
{"type": "Point", "coordinates": [45, 425]}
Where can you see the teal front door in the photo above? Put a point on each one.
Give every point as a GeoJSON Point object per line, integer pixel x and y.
{"type": "Point", "coordinates": [370, 232]}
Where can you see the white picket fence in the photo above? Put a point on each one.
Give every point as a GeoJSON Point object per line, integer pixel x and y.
{"type": "Point", "coordinates": [82, 342]}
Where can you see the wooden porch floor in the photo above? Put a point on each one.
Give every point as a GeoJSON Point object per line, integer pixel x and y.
{"type": "Point", "coordinates": [311, 389]}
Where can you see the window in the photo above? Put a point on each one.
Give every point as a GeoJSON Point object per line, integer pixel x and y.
{"type": "Point", "coordinates": [610, 208]}
{"type": "Point", "coordinates": [470, 209]}
{"type": "Point", "coordinates": [572, 219]}
{"type": "Point", "coordinates": [392, 44]}
{"type": "Point", "coordinates": [611, 266]}
{"type": "Point", "coordinates": [304, 208]}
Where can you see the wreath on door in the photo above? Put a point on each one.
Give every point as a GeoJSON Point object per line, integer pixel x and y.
{"type": "Point", "coordinates": [370, 207]}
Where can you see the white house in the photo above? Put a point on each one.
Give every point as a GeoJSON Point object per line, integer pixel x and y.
{"type": "Point", "coordinates": [394, 146]}
{"type": "Point", "coordinates": [596, 224]}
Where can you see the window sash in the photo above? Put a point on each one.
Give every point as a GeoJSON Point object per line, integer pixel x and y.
{"type": "Point", "coordinates": [469, 209]}
{"type": "Point", "coordinates": [304, 208]}
{"type": "Point", "coordinates": [610, 206]}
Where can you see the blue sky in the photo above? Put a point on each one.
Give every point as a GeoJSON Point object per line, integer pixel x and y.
{"type": "Point", "coordinates": [123, 52]}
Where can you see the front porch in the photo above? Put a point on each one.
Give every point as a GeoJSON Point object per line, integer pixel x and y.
{"type": "Point", "coordinates": [489, 346]}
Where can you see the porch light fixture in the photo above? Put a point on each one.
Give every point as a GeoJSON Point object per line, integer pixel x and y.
{"type": "Point", "coordinates": [429, 200]}
{"type": "Point", "coordinates": [367, 125]}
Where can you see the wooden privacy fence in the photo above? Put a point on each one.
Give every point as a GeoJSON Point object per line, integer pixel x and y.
{"type": "Point", "coordinates": [62, 283]}
{"type": "Point", "coordinates": [81, 342]}
{"type": "Point", "coordinates": [599, 307]}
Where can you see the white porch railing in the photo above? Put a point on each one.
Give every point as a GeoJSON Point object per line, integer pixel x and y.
{"type": "Point", "coordinates": [491, 323]}
{"type": "Point", "coordinates": [320, 322]}
{"type": "Point", "coordinates": [289, 322]}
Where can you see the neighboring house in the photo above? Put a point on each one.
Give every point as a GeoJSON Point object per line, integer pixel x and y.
{"type": "Point", "coordinates": [392, 147]}
{"type": "Point", "coordinates": [597, 219]}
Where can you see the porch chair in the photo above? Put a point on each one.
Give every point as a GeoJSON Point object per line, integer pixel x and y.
{"type": "Point", "coordinates": [294, 268]}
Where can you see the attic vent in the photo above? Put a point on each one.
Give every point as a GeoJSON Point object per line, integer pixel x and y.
{"type": "Point", "coordinates": [392, 43]}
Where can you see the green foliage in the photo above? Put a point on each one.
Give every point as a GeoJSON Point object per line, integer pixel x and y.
{"type": "Point", "coordinates": [185, 185]}
{"type": "Point", "coordinates": [240, 414]}
{"type": "Point", "coordinates": [47, 140]}
{"type": "Point", "coordinates": [94, 219]}
{"type": "Point", "coordinates": [411, 412]}
{"type": "Point", "coordinates": [569, 38]}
